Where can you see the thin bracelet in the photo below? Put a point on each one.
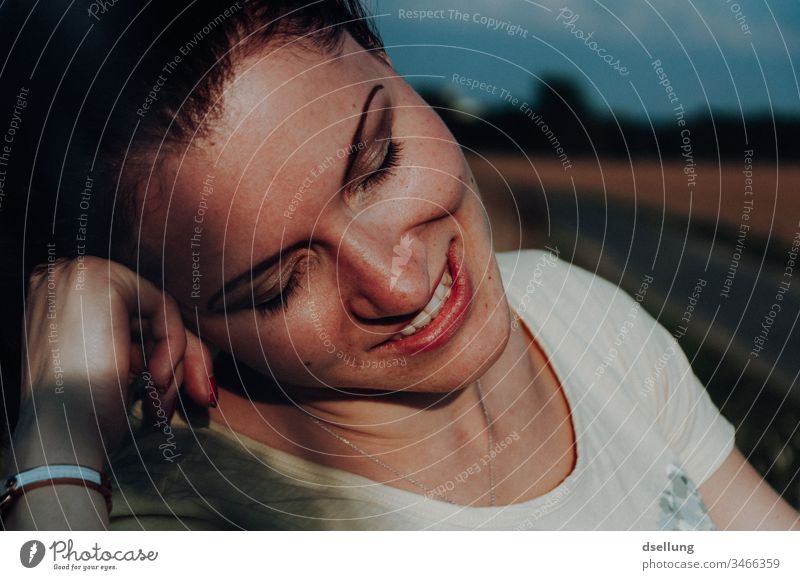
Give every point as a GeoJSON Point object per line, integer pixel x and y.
{"type": "Point", "coordinates": [62, 474]}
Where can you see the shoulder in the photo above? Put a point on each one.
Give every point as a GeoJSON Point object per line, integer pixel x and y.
{"type": "Point", "coordinates": [542, 278]}
{"type": "Point", "coordinates": [599, 324]}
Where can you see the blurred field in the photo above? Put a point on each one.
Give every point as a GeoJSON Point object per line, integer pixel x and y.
{"type": "Point", "coordinates": [717, 198]}
{"type": "Point", "coordinates": [624, 220]}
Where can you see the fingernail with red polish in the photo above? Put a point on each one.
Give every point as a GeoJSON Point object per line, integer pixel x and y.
{"type": "Point", "coordinates": [213, 393]}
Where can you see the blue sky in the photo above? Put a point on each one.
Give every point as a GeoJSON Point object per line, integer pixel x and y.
{"type": "Point", "coordinates": [716, 54]}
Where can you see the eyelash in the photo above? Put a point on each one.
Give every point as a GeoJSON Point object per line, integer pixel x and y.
{"type": "Point", "coordinates": [280, 301]}
{"type": "Point", "coordinates": [386, 170]}
{"type": "Point", "coordinates": [390, 162]}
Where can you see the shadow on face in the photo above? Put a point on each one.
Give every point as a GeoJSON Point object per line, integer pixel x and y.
{"type": "Point", "coordinates": [329, 233]}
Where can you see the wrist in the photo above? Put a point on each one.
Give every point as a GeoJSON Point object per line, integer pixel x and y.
{"type": "Point", "coordinates": [50, 433]}
{"type": "Point", "coordinates": [28, 480]}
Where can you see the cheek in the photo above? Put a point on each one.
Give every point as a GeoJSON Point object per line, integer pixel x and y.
{"type": "Point", "coordinates": [295, 345]}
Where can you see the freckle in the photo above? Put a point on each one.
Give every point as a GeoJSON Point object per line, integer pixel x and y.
{"type": "Point", "coordinates": [308, 364]}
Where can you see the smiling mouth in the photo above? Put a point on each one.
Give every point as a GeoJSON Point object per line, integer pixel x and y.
{"type": "Point", "coordinates": [432, 308]}
{"type": "Point", "coordinates": [441, 317]}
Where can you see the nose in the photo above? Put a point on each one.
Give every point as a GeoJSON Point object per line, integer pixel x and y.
{"type": "Point", "coordinates": [385, 274]}
{"type": "Point", "coordinates": [394, 248]}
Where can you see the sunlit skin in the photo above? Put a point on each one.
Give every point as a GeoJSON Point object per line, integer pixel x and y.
{"type": "Point", "coordinates": [286, 115]}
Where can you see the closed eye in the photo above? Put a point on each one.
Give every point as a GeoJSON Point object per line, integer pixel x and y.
{"type": "Point", "coordinates": [291, 283]}
{"type": "Point", "coordinates": [390, 162]}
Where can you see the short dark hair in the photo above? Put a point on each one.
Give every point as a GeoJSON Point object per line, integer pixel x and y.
{"type": "Point", "coordinates": [93, 88]}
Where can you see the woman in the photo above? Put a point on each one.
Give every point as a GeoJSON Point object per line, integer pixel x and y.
{"type": "Point", "coordinates": [256, 180]}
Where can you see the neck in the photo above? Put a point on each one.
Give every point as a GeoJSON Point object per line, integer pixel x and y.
{"type": "Point", "coordinates": [397, 424]}
{"type": "Point", "coordinates": [434, 438]}
{"type": "Point", "coordinates": [382, 422]}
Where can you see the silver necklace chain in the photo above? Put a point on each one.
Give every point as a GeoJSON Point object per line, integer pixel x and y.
{"type": "Point", "coordinates": [408, 478]}
{"type": "Point", "coordinates": [489, 445]}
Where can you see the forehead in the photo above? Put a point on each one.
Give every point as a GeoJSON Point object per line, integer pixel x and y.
{"type": "Point", "coordinates": [279, 101]}
{"type": "Point", "coordinates": [286, 113]}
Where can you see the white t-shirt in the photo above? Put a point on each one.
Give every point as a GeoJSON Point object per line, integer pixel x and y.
{"type": "Point", "coordinates": [646, 433]}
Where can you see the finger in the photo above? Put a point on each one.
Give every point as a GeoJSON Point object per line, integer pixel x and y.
{"type": "Point", "coordinates": [140, 326]}
{"type": "Point", "coordinates": [167, 332]}
{"type": "Point", "coordinates": [137, 358]}
{"type": "Point", "coordinates": [198, 366]}
{"type": "Point", "coordinates": [159, 405]}
{"type": "Point", "coordinates": [171, 396]}
{"type": "Point", "coordinates": [166, 328]}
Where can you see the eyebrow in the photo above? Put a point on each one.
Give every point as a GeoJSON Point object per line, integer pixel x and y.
{"type": "Point", "coordinates": [270, 261]}
{"type": "Point", "coordinates": [357, 135]}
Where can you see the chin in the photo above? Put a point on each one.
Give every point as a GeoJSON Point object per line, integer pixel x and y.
{"type": "Point", "coordinates": [487, 330]}
{"type": "Point", "coordinates": [471, 351]}
{"type": "Point", "coordinates": [487, 338]}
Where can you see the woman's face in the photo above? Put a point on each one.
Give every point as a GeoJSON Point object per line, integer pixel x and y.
{"type": "Point", "coordinates": [327, 180]}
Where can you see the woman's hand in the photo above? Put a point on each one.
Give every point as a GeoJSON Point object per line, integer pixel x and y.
{"type": "Point", "coordinates": [90, 326]}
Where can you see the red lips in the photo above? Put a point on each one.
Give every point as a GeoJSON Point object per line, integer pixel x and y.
{"type": "Point", "coordinates": [447, 322]}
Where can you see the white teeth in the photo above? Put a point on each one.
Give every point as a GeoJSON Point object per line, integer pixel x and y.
{"type": "Point", "coordinates": [422, 319]}
{"type": "Point", "coordinates": [432, 308]}
{"type": "Point", "coordinates": [408, 330]}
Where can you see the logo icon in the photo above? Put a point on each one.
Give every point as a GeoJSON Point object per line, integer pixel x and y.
{"type": "Point", "coordinates": [402, 254]}
{"type": "Point", "coordinates": [31, 553]}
